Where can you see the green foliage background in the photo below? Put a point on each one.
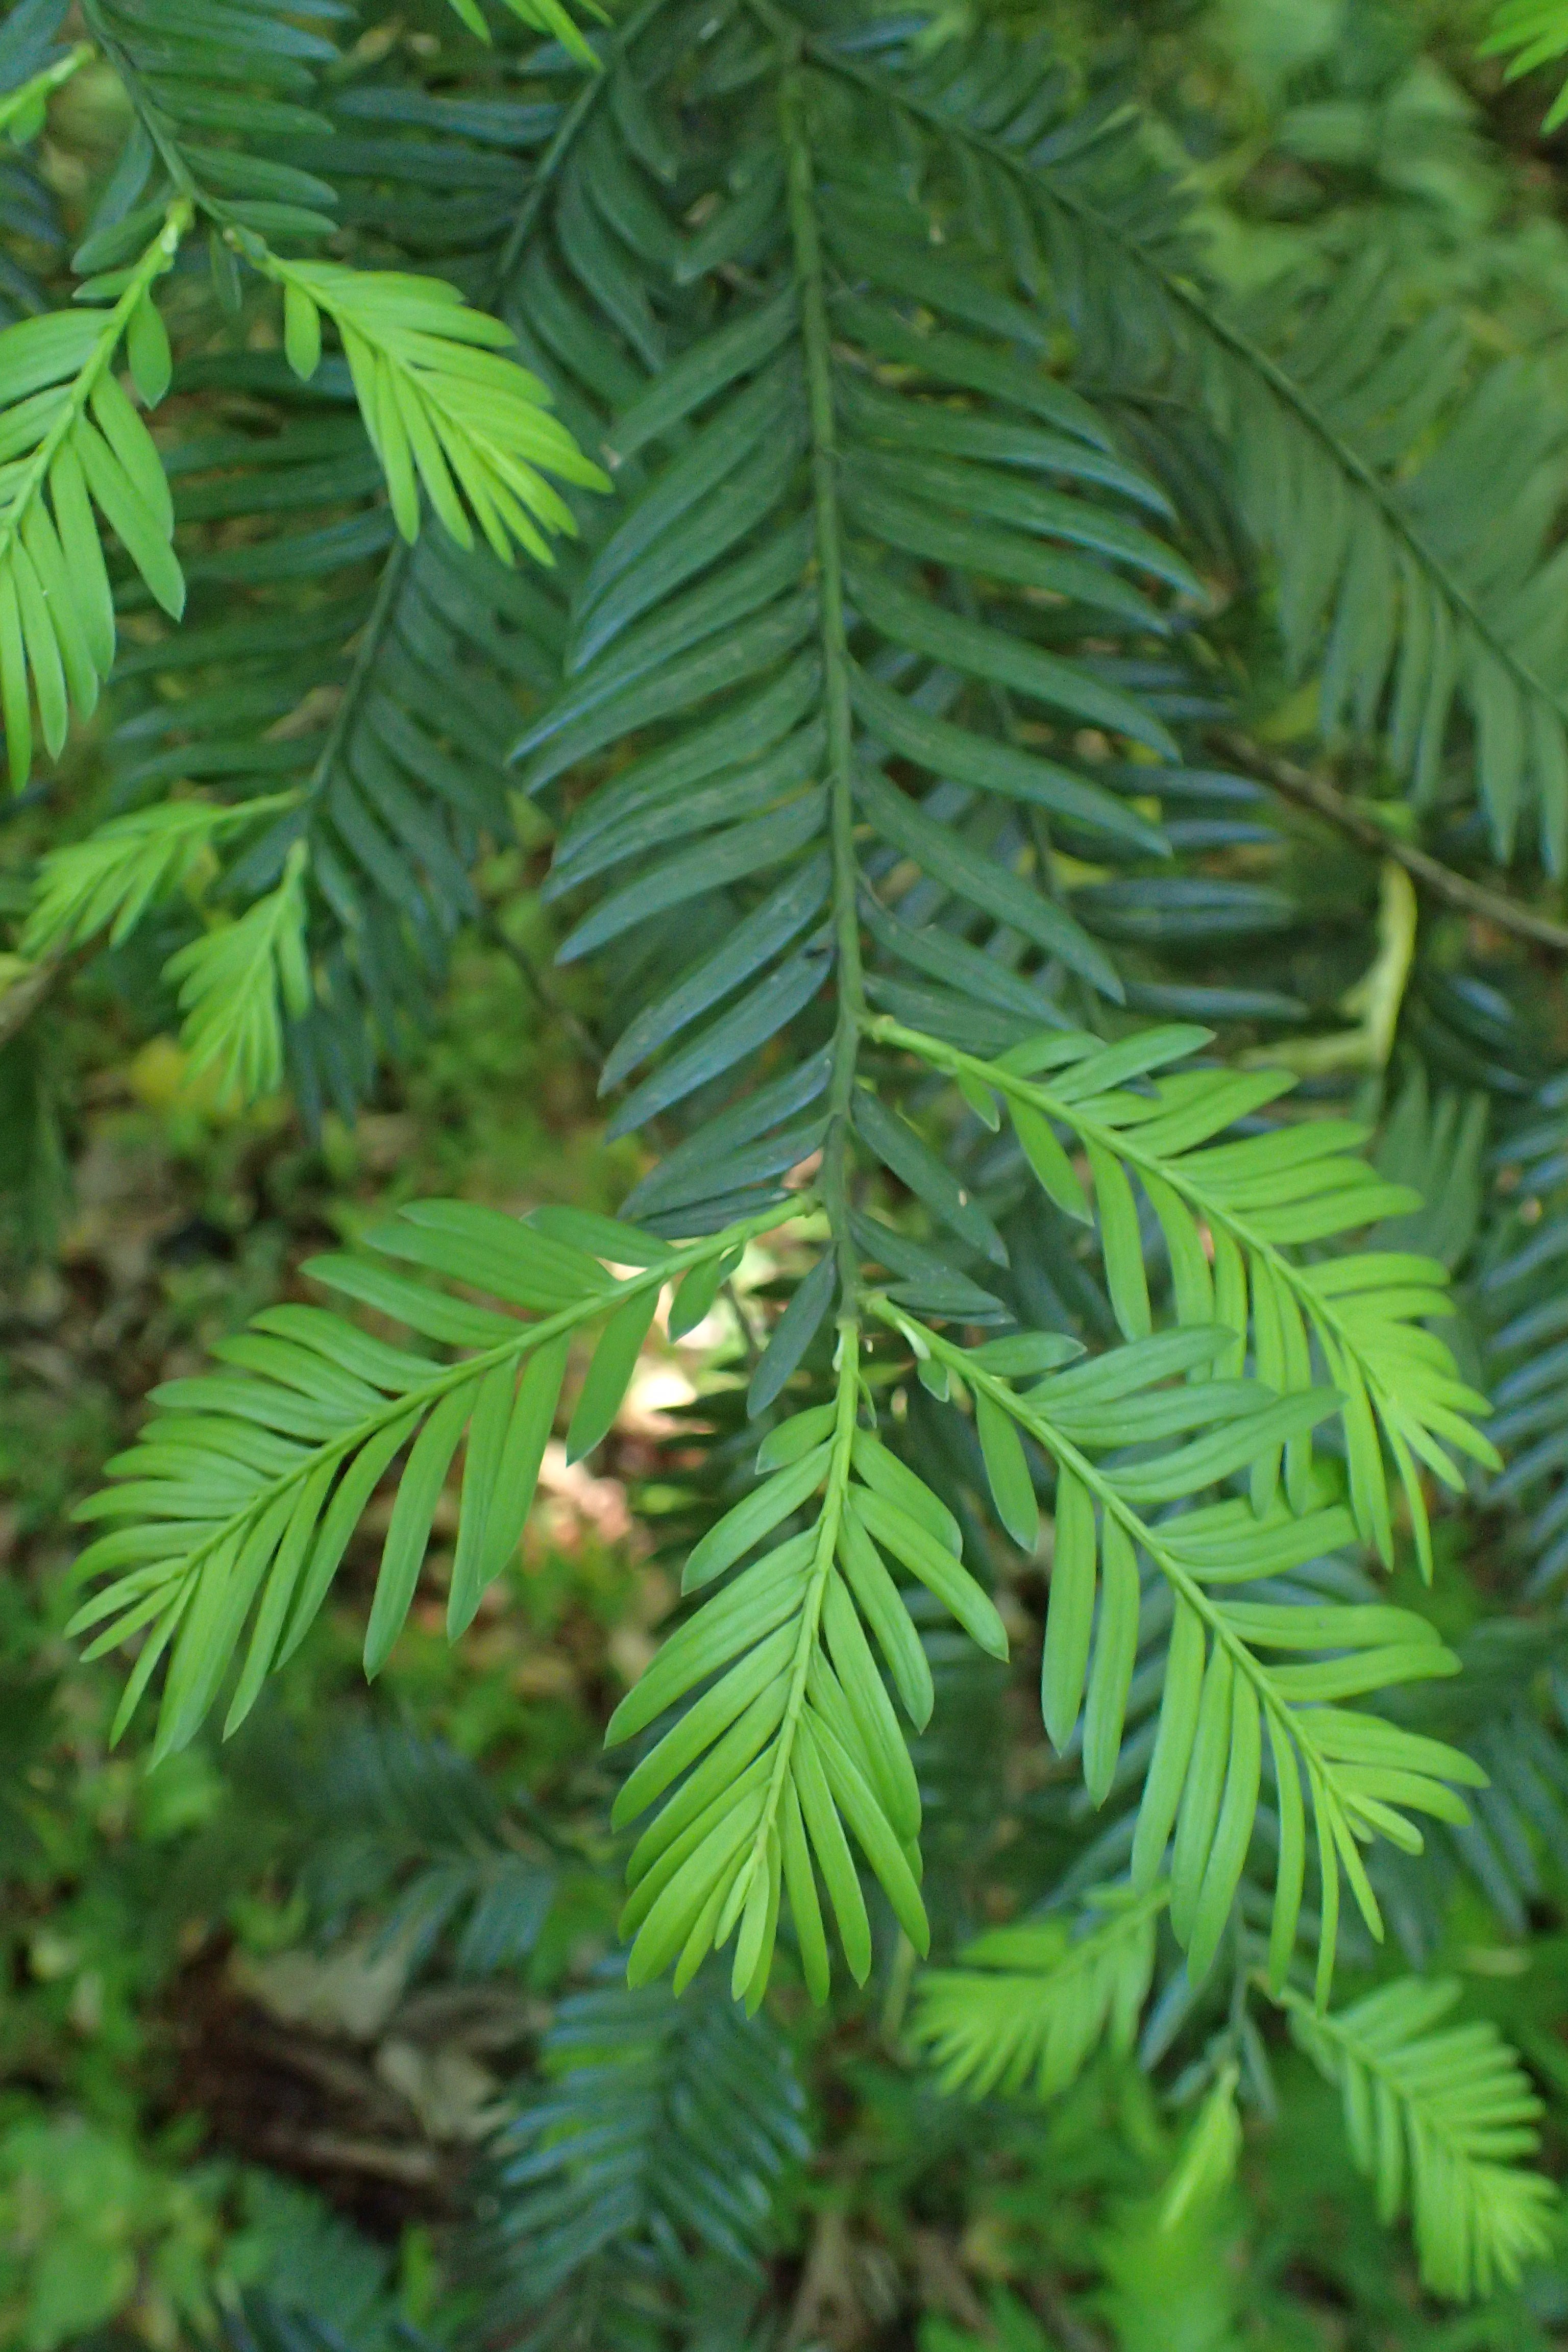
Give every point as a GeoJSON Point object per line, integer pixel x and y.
{"type": "Point", "coordinates": [320, 2036]}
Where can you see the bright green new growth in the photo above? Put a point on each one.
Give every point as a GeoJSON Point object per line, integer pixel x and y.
{"type": "Point", "coordinates": [445, 414]}
{"type": "Point", "coordinates": [24, 108]}
{"type": "Point", "coordinates": [543, 15]}
{"type": "Point", "coordinates": [1530, 33]}
{"type": "Point", "coordinates": [1218, 1697]}
{"type": "Point", "coordinates": [242, 1497]}
{"type": "Point", "coordinates": [1208, 2162]}
{"type": "Point", "coordinates": [449, 419]}
{"type": "Point", "coordinates": [1438, 2120]}
{"type": "Point", "coordinates": [797, 1739]}
{"type": "Point", "coordinates": [71, 440]}
{"type": "Point", "coordinates": [1028, 2006]}
{"type": "Point", "coordinates": [234, 981]}
{"type": "Point", "coordinates": [109, 881]}
{"type": "Point", "coordinates": [1230, 1215]}
{"type": "Point", "coordinates": [238, 979]}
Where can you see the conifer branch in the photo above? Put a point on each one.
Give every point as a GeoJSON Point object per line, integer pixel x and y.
{"type": "Point", "coordinates": [1312, 792]}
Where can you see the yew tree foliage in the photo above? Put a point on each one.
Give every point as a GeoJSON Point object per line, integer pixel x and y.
{"type": "Point", "coordinates": [804, 452]}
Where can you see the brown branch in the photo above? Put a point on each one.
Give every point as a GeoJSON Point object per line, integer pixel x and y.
{"type": "Point", "coordinates": [414, 2167]}
{"type": "Point", "coordinates": [1310, 792]}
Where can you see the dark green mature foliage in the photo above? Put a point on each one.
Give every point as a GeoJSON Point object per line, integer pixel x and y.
{"type": "Point", "coordinates": [658, 2124]}
{"type": "Point", "coordinates": [885, 513]}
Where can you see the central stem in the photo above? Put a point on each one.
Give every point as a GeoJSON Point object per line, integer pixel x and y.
{"type": "Point", "coordinates": [754, 1858]}
{"type": "Point", "coordinates": [835, 664]}
{"type": "Point", "coordinates": [443, 1378]}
